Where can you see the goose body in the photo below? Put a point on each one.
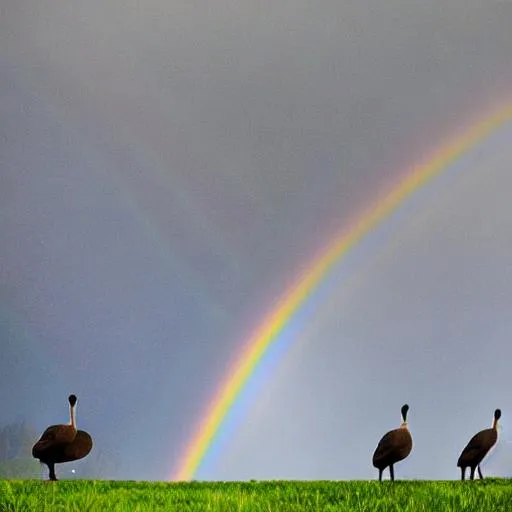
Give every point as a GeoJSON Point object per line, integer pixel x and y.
{"type": "Point", "coordinates": [78, 448]}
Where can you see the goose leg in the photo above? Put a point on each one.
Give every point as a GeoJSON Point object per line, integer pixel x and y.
{"type": "Point", "coordinates": [51, 467]}
{"type": "Point", "coordinates": [380, 475]}
{"type": "Point", "coordinates": [462, 473]}
{"type": "Point", "coordinates": [480, 472]}
{"type": "Point", "coordinates": [391, 472]}
{"type": "Point", "coordinates": [472, 475]}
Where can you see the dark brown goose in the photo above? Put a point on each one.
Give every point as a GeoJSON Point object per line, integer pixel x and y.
{"type": "Point", "coordinates": [478, 447]}
{"type": "Point", "coordinates": [393, 447]}
{"type": "Point", "coordinates": [62, 443]}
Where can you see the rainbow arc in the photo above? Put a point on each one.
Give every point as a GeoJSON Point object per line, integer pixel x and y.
{"type": "Point", "coordinates": [272, 325]}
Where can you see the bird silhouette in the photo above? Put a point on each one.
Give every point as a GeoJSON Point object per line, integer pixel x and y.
{"type": "Point", "coordinates": [394, 446]}
{"type": "Point", "coordinates": [62, 443]}
{"type": "Point", "coordinates": [478, 447]}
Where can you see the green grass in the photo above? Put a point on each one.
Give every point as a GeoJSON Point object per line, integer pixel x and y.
{"type": "Point", "coordinates": [265, 496]}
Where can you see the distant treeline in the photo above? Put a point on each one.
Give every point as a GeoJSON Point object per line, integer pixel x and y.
{"type": "Point", "coordinates": [16, 440]}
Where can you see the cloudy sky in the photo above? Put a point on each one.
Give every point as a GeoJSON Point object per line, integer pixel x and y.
{"type": "Point", "coordinates": [168, 168]}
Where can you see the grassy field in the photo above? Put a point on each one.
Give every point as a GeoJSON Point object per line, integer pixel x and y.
{"type": "Point", "coordinates": [282, 496]}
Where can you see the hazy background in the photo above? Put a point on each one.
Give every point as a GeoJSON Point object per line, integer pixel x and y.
{"type": "Point", "coordinates": [168, 168]}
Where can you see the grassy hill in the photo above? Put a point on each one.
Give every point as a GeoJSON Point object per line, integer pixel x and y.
{"type": "Point", "coordinates": [264, 496]}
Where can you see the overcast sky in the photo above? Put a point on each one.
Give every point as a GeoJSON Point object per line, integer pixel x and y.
{"type": "Point", "coordinates": [168, 168]}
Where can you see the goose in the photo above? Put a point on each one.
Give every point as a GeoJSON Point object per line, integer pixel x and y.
{"type": "Point", "coordinates": [478, 447]}
{"type": "Point", "coordinates": [394, 446]}
{"type": "Point", "coordinates": [62, 443]}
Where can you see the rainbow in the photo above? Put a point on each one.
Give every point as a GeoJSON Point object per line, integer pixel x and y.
{"type": "Point", "coordinates": [288, 306]}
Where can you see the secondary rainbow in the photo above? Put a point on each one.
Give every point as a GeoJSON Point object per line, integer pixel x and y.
{"type": "Point", "coordinates": [291, 301]}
